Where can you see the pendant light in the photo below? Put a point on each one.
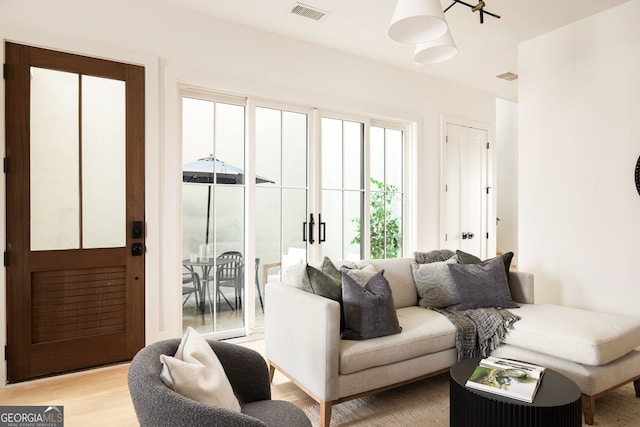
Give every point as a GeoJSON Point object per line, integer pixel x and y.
{"type": "Point", "coordinates": [437, 50]}
{"type": "Point", "coordinates": [417, 21]}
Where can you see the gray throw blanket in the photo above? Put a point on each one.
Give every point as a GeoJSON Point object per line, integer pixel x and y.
{"type": "Point", "coordinates": [479, 331]}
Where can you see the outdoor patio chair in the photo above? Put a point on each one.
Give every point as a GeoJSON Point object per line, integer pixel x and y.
{"type": "Point", "coordinates": [230, 274]}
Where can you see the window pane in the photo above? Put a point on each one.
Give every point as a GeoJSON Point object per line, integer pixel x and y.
{"type": "Point", "coordinates": [331, 153]}
{"type": "Point", "coordinates": [332, 216]}
{"type": "Point", "coordinates": [268, 228]}
{"type": "Point", "coordinates": [393, 158]}
{"type": "Point", "coordinates": [294, 149]}
{"type": "Point", "coordinates": [229, 140]}
{"type": "Point", "coordinates": [54, 161]}
{"type": "Point", "coordinates": [376, 154]}
{"type": "Point", "coordinates": [352, 215]}
{"type": "Point", "coordinates": [393, 229]}
{"type": "Point", "coordinates": [197, 129]}
{"type": "Point", "coordinates": [268, 144]}
{"type": "Point", "coordinates": [353, 140]}
{"type": "Point", "coordinates": [103, 163]}
{"type": "Point", "coordinates": [293, 217]}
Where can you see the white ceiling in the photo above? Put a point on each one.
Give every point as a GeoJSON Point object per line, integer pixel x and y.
{"type": "Point", "coordinates": [360, 27]}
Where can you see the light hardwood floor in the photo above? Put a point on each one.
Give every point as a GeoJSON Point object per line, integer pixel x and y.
{"type": "Point", "coordinates": [101, 396]}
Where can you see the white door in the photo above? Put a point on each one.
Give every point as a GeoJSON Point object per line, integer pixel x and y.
{"type": "Point", "coordinates": [465, 213]}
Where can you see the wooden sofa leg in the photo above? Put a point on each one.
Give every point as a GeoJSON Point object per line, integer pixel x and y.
{"type": "Point", "coordinates": [588, 408]}
{"type": "Point", "coordinates": [272, 371]}
{"type": "Point", "coordinates": [325, 413]}
{"type": "Point", "coordinates": [636, 385]}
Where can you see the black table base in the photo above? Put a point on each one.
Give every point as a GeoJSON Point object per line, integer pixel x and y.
{"type": "Point", "coordinates": [557, 403]}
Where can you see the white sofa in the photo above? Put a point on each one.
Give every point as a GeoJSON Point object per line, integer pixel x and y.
{"type": "Point", "coordinates": [303, 341]}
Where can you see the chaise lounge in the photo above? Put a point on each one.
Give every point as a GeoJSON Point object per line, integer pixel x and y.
{"type": "Point", "coordinates": [303, 341]}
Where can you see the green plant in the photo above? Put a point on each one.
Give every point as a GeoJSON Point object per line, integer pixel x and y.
{"type": "Point", "coordinates": [385, 232]}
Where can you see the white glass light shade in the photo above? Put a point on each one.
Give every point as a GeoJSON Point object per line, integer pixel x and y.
{"type": "Point", "coordinates": [417, 21]}
{"type": "Point", "coordinates": [438, 50]}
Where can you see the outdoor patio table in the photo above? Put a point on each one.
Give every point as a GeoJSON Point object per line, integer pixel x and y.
{"type": "Point", "coordinates": [206, 265]}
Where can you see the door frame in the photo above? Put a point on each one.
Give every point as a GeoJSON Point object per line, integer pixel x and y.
{"type": "Point", "coordinates": [155, 301]}
{"type": "Point", "coordinates": [491, 179]}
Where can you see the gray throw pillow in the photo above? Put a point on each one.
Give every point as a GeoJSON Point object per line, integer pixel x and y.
{"type": "Point", "coordinates": [325, 281]}
{"type": "Point", "coordinates": [482, 285]}
{"type": "Point", "coordinates": [435, 285]}
{"type": "Point", "coordinates": [466, 258]}
{"type": "Point", "coordinates": [360, 274]}
{"type": "Point", "coordinates": [433, 256]}
{"type": "Point", "coordinates": [368, 310]}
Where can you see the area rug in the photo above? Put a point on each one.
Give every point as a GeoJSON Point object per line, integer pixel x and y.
{"type": "Point", "coordinates": [426, 403]}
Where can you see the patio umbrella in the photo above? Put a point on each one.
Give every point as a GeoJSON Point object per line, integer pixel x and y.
{"type": "Point", "coordinates": [210, 170]}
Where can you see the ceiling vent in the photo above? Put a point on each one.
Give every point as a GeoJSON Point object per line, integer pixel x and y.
{"type": "Point", "coordinates": [308, 12]}
{"type": "Point", "coordinates": [508, 76]}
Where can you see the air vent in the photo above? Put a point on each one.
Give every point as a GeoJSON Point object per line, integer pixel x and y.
{"type": "Point", "coordinates": [509, 76]}
{"type": "Point", "coordinates": [308, 12]}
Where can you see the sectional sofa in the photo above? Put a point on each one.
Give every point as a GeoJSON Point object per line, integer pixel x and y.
{"type": "Point", "coordinates": [303, 341]}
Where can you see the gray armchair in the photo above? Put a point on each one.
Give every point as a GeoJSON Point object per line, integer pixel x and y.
{"type": "Point", "coordinates": [156, 405]}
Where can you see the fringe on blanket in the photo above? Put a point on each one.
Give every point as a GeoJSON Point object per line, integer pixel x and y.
{"type": "Point", "coordinates": [479, 331]}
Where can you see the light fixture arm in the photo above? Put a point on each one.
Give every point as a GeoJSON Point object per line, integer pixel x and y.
{"type": "Point", "coordinates": [474, 8]}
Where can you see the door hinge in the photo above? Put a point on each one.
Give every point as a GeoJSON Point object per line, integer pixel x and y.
{"type": "Point", "coordinates": [6, 259]}
{"type": "Point", "coordinates": [446, 138]}
{"type": "Point", "coordinates": [487, 235]}
{"type": "Point", "coordinates": [446, 237]}
{"type": "Point", "coordinates": [5, 162]}
{"type": "Point", "coordinates": [487, 145]}
{"type": "Point", "coordinates": [446, 188]}
{"type": "Point", "coordinates": [488, 188]}
{"type": "Point", "coordinates": [5, 72]}
{"type": "Point", "coordinates": [6, 352]}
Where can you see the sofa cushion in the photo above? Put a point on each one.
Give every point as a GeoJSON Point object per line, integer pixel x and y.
{"type": "Point", "coordinates": [435, 285]}
{"type": "Point", "coordinates": [482, 285]}
{"type": "Point", "coordinates": [582, 336]}
{"type": "Point", "coordinates": [368, 310]}
{"type": "Point", "coordinates": [196, 372]}
{"type": "Point", "coordinates": [423, 332]}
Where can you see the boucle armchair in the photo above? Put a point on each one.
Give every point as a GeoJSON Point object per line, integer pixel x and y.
{"type": "Point", "coordinates": [157, 405]}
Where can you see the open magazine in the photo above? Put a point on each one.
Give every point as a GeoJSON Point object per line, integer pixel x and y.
{"type": "Point", "coordinates": [509, 378]}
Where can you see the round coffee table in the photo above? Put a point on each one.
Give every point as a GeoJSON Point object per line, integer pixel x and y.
{"type": "Point", "coordinates": [557, 402]}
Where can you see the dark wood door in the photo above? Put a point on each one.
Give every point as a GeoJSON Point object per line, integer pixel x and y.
{"type": "Point", "coordinates": [75, 211]}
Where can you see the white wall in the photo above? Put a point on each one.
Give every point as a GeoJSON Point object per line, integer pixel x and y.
{"type": "Point", "coordinates": [579, 212]}
{"type": "Point", "coordinates": [507, 177]}
{"type": "Point", "coordinates": [178, 46]}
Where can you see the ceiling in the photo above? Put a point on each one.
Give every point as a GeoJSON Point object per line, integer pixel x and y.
{"type": "Point", "coordinates": [360, 27]}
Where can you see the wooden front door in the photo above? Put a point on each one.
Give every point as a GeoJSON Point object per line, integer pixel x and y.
{"type": "Point", "coordinates": [75, 211]}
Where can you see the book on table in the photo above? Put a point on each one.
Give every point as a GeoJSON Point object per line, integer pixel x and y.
{"type": "Point", "coordinates": [509, 378]}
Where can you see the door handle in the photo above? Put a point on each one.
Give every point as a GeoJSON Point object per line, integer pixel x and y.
{"type": "Point", "coordinates": [467, 235]}
{"type": "Point", "coordinates": [322, 231]}
{"type": "Point", "coordinates": [311, 224]}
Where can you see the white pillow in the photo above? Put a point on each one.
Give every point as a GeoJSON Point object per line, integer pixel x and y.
{"type": "Point", "coordinates": [195, 372]}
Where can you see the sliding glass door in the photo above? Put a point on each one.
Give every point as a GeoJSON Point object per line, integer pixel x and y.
{"type": "Point", "coordinates": [267, 186]}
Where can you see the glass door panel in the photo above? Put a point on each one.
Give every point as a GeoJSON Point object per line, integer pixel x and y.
{"type": "Point", "coordinates": [213, 215]}
{"type": "Point", "coordinates": [103, 163]}
{"type": "Point", "coordinates": [55, 160]}
{"type": "Point", "coordinates": [281, 146]}
{"type": "Point", "coordinates": [342, 187]}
